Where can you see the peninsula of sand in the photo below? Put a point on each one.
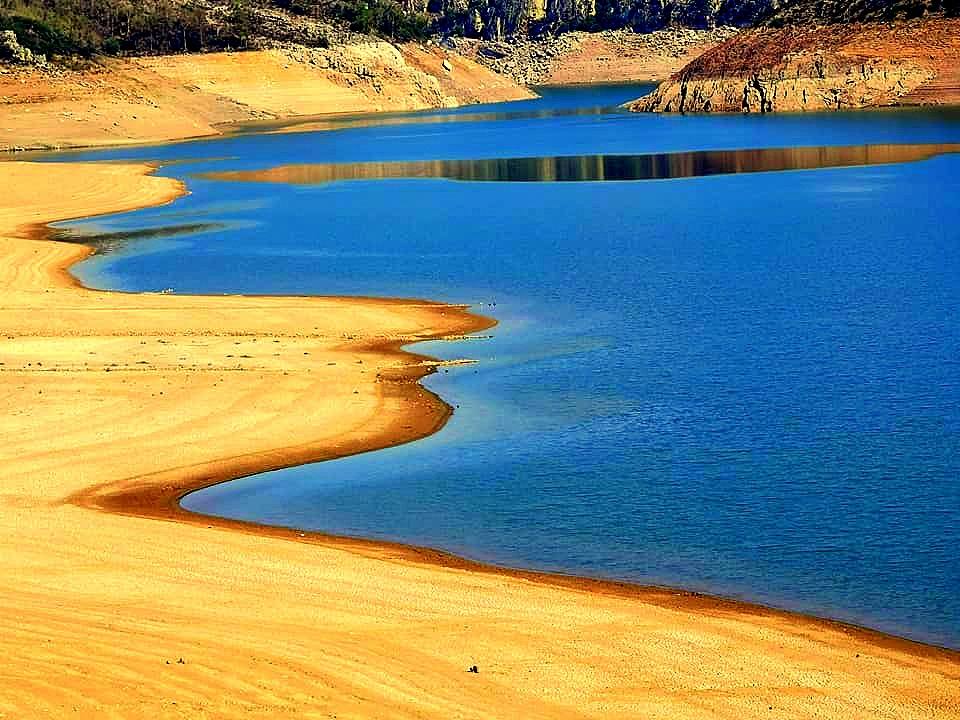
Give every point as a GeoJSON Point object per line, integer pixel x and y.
{"type": "Point", "coordinates": [115, 603]}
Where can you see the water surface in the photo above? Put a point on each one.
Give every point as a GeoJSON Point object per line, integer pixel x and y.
{"type": "Point", "coordinates": [744, 383]}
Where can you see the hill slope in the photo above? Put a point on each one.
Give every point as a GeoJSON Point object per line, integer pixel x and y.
{"type": "Point", "coordinates": [121, 27]}
{"type": "Point", "coordinates": [153, 99]}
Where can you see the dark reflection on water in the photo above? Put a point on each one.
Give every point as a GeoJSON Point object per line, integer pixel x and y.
{"type": "Point", "coordinates": [107, 242]}
{"type": "Point", "coordinates": [581, 168]}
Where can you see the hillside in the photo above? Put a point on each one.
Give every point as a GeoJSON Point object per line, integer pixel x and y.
{"type": "Point", "coordinates": [818, 12]}
{"type": "Point", "coordinates": [83, 28]}
{"type": "Point", "coordinates": [93, 72]}
{"type": "Point", "coordinates": [152, 99]}
{"type": "Point", "coordinates": [497, 19]}
{"type": "Point", "coordinates": [825, 56]}
{"type": "Point", "coordinates": [531, 43]}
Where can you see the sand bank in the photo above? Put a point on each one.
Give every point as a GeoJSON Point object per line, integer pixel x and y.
{"type": "Point", "coordinates": [121, 401]}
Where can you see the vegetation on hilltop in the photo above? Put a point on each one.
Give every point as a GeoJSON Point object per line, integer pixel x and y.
{"type": "Point", "coordinates": [812, 12]}
{"type": "Point", "coordinates": [384, 18]}
{"type": "Point", "coordinates": [85, 27]}
{"type": "Point", "coordinates": [134, 27]}
{"type": "Point", "coordinates": [138, 27]}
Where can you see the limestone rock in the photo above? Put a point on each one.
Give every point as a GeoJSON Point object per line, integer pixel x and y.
{"type": "Point", "coordinates": [12, 51]}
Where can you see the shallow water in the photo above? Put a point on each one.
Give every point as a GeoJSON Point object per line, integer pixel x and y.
{"type": "Point", "coordinates": [746, 384]}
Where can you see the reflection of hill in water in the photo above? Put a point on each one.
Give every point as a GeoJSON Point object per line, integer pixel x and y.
{"type": "Point", "coordinates": [600, 167]}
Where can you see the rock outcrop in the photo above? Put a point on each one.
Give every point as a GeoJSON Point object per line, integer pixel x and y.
{"type": "Point", "coordinates": [821, 67]}
{"type": "Point", "coordinates": [581, 57]}
{"type": "Point", "coordinates": [499, 19]}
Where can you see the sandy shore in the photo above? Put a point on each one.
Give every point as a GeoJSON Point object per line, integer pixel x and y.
{"type": "Point", "coordinates": [121, 401]}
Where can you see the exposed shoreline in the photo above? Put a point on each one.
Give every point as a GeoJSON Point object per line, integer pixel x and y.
{"type": "Point", "coordinates": [178, 97]}
{"type": "Point", "coordinates": [167, 507]}
{"type": "Point", "coordinates": [37, 278]}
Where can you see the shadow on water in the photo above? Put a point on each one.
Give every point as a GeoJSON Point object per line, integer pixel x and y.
{"type": "Point", "coordinates": [107, 242]}
{"type": "Point", "coordinates": [593, 168]}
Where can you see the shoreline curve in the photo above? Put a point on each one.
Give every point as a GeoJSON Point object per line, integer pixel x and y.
{"type": "Point", "coordinates": [164, 502]}
{"type": "Point", "coordinates": [156, 495]}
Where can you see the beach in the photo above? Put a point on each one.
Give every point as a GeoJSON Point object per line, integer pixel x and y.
{"type": "Point", "coordinates": [119, 604]}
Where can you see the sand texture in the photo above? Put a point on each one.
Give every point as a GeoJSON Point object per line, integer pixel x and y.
{"type": "Point", "coordinates": [116, 605]}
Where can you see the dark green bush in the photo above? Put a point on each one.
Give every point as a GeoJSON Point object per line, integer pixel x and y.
{"type": "Point", "coordinates": [43, 38]}
{"type": "Point", "coordinates": [136, 27]}
{"type": "Point", "coordinates": [112, 27]}
{"type": "Point", "coordinates": [380, 17]}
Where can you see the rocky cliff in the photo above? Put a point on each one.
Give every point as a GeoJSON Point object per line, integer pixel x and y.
{"type": "Point", "coordinates": [599, 57]}
{"type": "Point", "coordinates": [801, 13]}
{"type": "Point", "coordinates": [497, 19]}
{"type": "Point", "coordinates": [808, 57]}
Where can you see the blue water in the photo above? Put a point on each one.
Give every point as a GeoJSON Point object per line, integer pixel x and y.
{"type": "Point", "coordinates": [745, 384]}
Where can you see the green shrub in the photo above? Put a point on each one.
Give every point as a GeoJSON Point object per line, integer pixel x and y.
{"type": "Point", "coordinates": [381, 17]}
{"type": "Point", "coordinates": [113, 27]}
{"type": "Point", "coordinates": [137, 27]}
{"type": "Point", "coordinates": [43, 38]}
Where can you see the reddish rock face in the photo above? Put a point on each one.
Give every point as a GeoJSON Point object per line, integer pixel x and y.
{"type": "Point", "coordinates": [824, 67]}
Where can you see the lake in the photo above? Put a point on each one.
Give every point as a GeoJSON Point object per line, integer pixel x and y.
{"type": "Point", "coordinates": [728, 351]}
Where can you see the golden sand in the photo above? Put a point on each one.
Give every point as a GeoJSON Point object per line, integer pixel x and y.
{"type": "Point", "coordinates": [114, 403]}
